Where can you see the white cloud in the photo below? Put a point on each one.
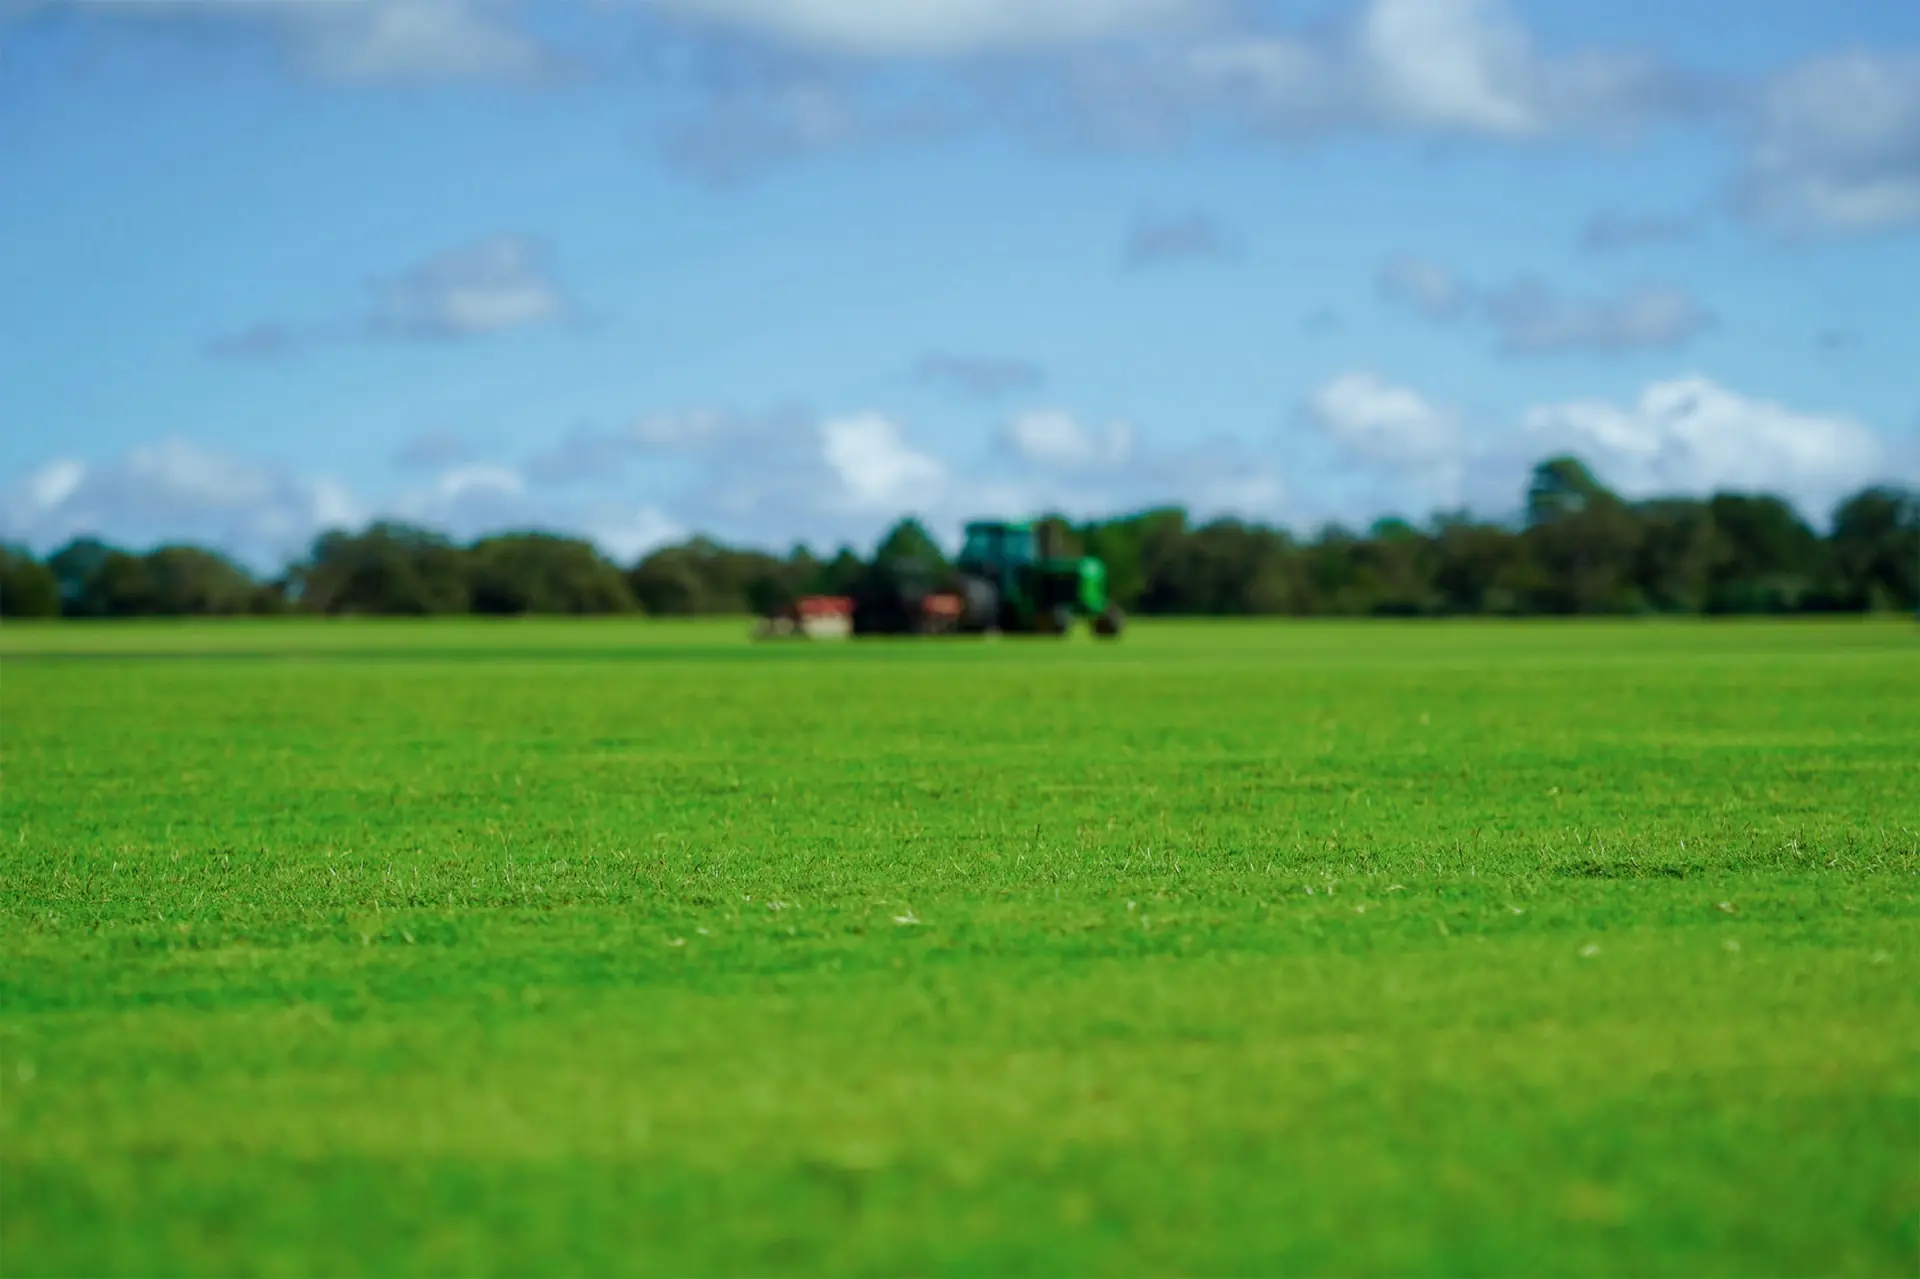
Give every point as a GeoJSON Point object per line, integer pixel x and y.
{"type": "Point", "coordinates": [1210, 478]}
{"type": "Point", "coordinates": [755, 81]}
{"type": "Point", "coordinates": [174, 490]}
{"type": "Point", "coordinates": [484, 287]}
{"type": "Point", "coordinates": [348, 42]}
{"type": "Point", "coordinates": [939, 28]}
{"type": "Point", "coordinates": [877, 468]}
{"type": "Point", "coordinates": [628, 535]}
{"type": "Point", "coordinates": [467, 481]}
{"type": "Point", "coordinates": [689, 429]}
{"type": "Point", "coordinates": [1837, 145]}
{"type": "Point", "coordinates": [49, 487]}
{"type": "Point", "coordinates": [1691, 435]}
{"type": "Point", "coordinates": [1458, 67]}
{"type": "Point", "coordinates": [408, 40]}
{"type": "Point", "coordinates": [1681, 436]}
{"type": "Point", "coordinates": [1451, 64]}
{"type": "Point", "coordinates": [1380, 422]}
{"type": "Point", "coordinates": [1133, 70]}
{"type": "Point", "coordinates": [1056, 440]}
{"type": "Point", "coordinates": [489, 286]}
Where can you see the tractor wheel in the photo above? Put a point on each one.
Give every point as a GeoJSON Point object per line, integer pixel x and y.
{"type": "Point", "coordinates": [1109, 622]}
{"type": "Point", "coordinates": [1060, 621]}
{"type": "Point", "coordinates": [980, 604]}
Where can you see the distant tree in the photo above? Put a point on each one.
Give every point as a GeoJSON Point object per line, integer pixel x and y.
{"type": "Point", "coordinates": [1583, 542]}
{"type": "Point", "coordinates": [1399, 564]}
{"type": "Point", "coordinates": [1560, 486]}
{"type": "Point", "coordinates": [909, 544]}
{"type": "Point", "coordinates": [840, 575]}
{"type": "Point", "coordinates": [75, 567]}
{"type": "Point", "coordinates": [1120, 544]}
{"type": "Point", "coordinates": [1226, 567]}
{"type": "Point", "coordinates": [28, 588]}
{"type": "Point", "coordinates": [387, 569]}
{"type": "Point", "coordinates": [669, 582]}
{"type": "Point", "coordinates": [703, 576]}
{"type": "Point", "coordinates": [96, 580]}
{"type": "Point", "coordinates": [1768, 561]}
{"type": "Point", "coordinates": [185, 581]}
{"type": "Point", "coordinates": [907, 566]}
{"type": "Point", "coordinates": [516, 573]}
{"type": "Point", "coordinates": [1479, 568]}
{"type": "Point", "coordinates": [1679, 545]}
{"type": "Point", "coordinates": [1875, 549]}
{"type": "Point", "coordinates": [1331, 571]}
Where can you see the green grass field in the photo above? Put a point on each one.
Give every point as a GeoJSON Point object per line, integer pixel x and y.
{"type": "Point", "coordinates": [612, 946]}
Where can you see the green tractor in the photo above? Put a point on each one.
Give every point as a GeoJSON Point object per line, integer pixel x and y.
{"type": "Point", "coordinates": [1010, 580]}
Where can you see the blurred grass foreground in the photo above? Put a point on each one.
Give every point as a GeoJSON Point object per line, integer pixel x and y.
{"type": "Point", "coordinates": [619, 946]}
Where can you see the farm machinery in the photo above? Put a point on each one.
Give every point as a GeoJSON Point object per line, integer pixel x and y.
{"type": "Point", "coordinates": [1007, 579]}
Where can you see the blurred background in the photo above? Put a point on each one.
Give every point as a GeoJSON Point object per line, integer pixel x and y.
{"type": "Point", "coordinates": [1401, 306]}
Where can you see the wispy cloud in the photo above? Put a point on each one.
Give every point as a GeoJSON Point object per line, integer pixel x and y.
{"type": "Point", "coordinates": [495, 285]}
{"type": "Point", "coordinates": [1836, 145]}
{"type": "Point", "coordinates": [1058, 441]}
{"type": "Point", "coordinates": [1617, 232]}
{"type": "Point", "coordinates": [980, 376]}
{"type": "Point", "coordinates": [1429, 288]}
{"type": "Point", "coordinates": [880, 29]}
{"type": "Point", "coordinates": [1173, 238]}
{"type": "Point", "coordinates": [433, 449]}
{"type": "Point", "coordinates": [479, 289]}
{"type": "Point", "coordinates": [1530, 317]}
{"type": "Point", "coordinates": [263, 340]}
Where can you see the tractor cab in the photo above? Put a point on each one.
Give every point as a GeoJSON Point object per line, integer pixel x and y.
{"type": "Point", "coordinates": [993, 547]}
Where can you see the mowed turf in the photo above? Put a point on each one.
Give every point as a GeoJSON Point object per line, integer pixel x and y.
{"type": "Point", "coordinates": [1234, 947]}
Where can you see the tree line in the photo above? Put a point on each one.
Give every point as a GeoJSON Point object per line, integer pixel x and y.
{"type": "Point", "coordinates": [1579, 548]}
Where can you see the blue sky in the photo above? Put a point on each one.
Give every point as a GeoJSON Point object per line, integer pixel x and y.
{"type": "Point", "coordinates": [789, 269]}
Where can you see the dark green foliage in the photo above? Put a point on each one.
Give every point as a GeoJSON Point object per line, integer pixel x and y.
{"type": "Point", "coordinates": [1768, 559]}
{"type": "Point", "coordinates": [1875, 550]}
{"type": "Point", "coordinates": [541, 573]}
{"type": "Point", "coordinates": [705, 577]}
{"type": "Point", "coordinates": [389, 569]}
{"type": "Point", "coordinates": [75, 567]}
{"type": "Point", "coordinates": [28, 588]}
{"type": "Point", "coordinates": [840, 575]}
{"type": "Point", "coordinates": [96, 580]}
{"type": "Point", "coordinates": [1561, 486]}
{"type": "Point", "coordinates": [907, 565]}
{"type": "Point", "coordinates": [908, 543]}
{"type": "Point", "coordinates": [1674, 563]}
